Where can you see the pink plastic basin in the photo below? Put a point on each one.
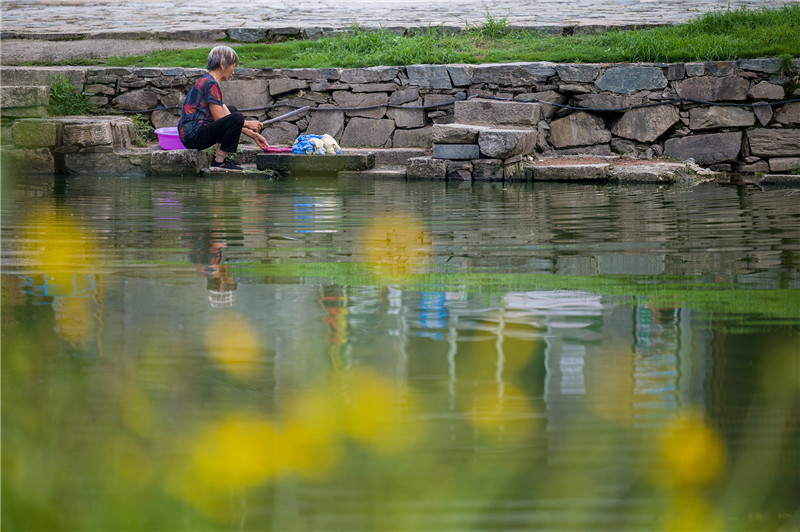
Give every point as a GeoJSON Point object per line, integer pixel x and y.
{"type": "Point", "coordinates": [169, 139]}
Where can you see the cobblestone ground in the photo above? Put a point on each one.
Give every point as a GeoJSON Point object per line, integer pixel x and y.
{"type": "Point", "coordinates": [44, 16]}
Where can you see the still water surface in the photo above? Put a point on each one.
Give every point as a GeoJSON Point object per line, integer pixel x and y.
{"type": "Point", "coordinates": [311, 354]}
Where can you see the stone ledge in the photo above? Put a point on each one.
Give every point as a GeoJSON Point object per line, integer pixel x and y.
{"type": "Point", "coordinates": [780, 179]}
{"type": "Point", "coordinates": [376, 174]}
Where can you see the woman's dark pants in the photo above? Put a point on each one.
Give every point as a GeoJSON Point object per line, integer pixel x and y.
{"type": "Point", "coordinates": [225, 132]}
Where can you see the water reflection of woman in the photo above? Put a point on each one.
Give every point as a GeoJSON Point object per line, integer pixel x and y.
{"type": "Point", "coordinates": [206, 250]}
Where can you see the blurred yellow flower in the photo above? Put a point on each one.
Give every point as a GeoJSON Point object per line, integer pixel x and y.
{"type": "Point", "coordinates": [397, 244]}
{"type": "Point", "coordinates": [377, 412]}
{"type": "Point", "coordinates": [692, 452]}
{"type": "Point", "coordinates": [232, 341]}
{"type": "Point", "coordinates": [75, 319]}
{"type": "Point", "coordinates": [310, 441]}
{"type": "Point", "coordinates": [235, 452]}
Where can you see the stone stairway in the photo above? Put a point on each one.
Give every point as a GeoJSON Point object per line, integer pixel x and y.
{"type": "Point", "coordinates": [487, 141]}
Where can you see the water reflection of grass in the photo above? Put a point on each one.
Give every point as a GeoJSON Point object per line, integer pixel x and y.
{"type": "Point", "coordinates": [662, 291]}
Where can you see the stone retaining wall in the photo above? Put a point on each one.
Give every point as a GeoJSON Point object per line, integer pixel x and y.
{"type": "Point", "coordinates": [396, 106]}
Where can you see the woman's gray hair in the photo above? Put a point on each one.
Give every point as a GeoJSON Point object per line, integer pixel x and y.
{"type": "Point", "coordinates": [221, 57]}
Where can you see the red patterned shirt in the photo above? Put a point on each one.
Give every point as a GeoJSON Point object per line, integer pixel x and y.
{"type": "Point", "coordinates": [195, 112]}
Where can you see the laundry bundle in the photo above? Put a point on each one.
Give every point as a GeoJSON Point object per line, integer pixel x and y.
{"type": "Point", "coordinates": [316, 145]}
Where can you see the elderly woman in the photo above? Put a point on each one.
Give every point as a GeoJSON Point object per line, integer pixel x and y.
{"type": "Point", "coordinates": [206, 120]}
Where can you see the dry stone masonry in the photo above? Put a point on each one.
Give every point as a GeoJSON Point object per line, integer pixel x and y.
{"type": "Point", "coordinates": [478, 121]}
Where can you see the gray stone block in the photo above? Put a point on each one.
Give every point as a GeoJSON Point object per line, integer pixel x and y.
{"type": "Point", "coordinates": [610, 101]}
{"type": "Point", "coordinates": [406, 118]}
{"type": "Point", "coordinates": [35, 133]}
{"type": "Point", "coordinates": [429, 76]}
{"type": "Point", "coordinates": [763, 113]}
{"type": "Point", "coordinates": [497, 113]}
{"type": "Point", "coordinates": [721, 68]}
{"type": "Point", "coordinates": [627, 80]}
{"type": "Point", "coordinates": [87, 134]}
{"type": "Point", "coordinates": [551, 171]}
{"type": "Point", "coordinates": [769, 65]}
{"type": "Point", "coordinates": [695, 69]}
{"type": "Point", "coordinates": [487, 170]}
{"type": "Point", "coordinates": [402, 96]}
{"type": "Point", "coordinates": [378, 74]}
{"type": "Point", "coordinates": [788, 113]}
{"type": "Point", "coordinates": [243, 94]}
{"type": "Point", "coordinates": [719, 117]}
{"type": "Point", "coordinates": [412, 138]}
{"type": "Point", "coordinates": [578, 129]}
{"type": "Point", "coordinates": [286, 85]}
{"type": "Point", "coordinates": [780, 179]}
{"type": "Point", "coordinates": [506, 143]}
{"type": "Point", "coordinates": [426, 168]}
{"type": "Point", "coordinates": [552, 97]}
{"type": "Point", "coordinates": [713, 89]}
{"type": "Point", "coordinates": [774, 142]}
{"type": "Point", "coordinates": [766, 91]}
{"type": "Point", "coordinates": [178, 162]}
{"type": "Point", "coordinates": [705, 149]}
{"type": "Point", "coordinates": [390, 156]}
{"type": "Point", "coordinates": [460, 75]}
{"type": "Point", "coordinates": [248, 34]}
{"type": "Point", "coordinates": [646, 124]}
{"type": "Point", "coordinates": [459, 171]}
{"type": "Point", "coordinates": [784, 164]}
{"type": "Point", "coordinates": [368, 132]}
{"type": "Point", "coordinates": [24, 101]}
{"type": "Point", "coordinates": [281, 133]}
{"type": "Point", "coordinates": [329, 121]}
{"type": "Point", "coordinates": [455, 133]}
{"type": "Point", "coordinates": [676, 71]}
{"type": "Point", "coordinates": [578, 73]}
{"type": "Point", "coordinates": [373, 104]}
{"type": "Point", "coordinates": [456, 151]}
{"type": "Point", "coordinates": [136, 100]}
{"type": "Point", "coordinates": [513, 74]}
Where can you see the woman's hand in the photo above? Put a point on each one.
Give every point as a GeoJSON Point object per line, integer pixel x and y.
{"type": "Point", "coordinates": [255, 125]}
{"type": "Point", "coordinates": [261, 141]}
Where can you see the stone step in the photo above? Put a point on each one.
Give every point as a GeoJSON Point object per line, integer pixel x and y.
{"type": "Point", "coordinates": [469, 141]}
{"type": "Point", "coordinates": [388, 156]}
{"type": "Point", "coordinates": [497, 113]}
{"type": "Point", "coordinates": [780, 179]}
{"type": "Point", "coordinates": [20, 101]}
{"type": "Point", "coordinates": [290, 163]}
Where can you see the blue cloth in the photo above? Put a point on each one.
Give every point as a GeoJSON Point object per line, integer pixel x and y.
{"type": "Point", "coordinates": [304, 146]}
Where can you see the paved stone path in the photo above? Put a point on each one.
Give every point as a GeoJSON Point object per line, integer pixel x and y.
{"type": "Point", "coordinates": [63, 16]}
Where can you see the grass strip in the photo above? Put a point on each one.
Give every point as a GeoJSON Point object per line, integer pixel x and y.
{"type": "Point", "coordinates": [716, 36]}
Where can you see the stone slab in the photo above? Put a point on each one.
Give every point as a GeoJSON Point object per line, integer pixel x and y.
{"type": "Point", "coordinates": [631, 79]}
{"type": "Point", "coordinates": [774, 142]}
{"type": "Point", "coordinates": [455, 133]}
{"type": "Point", "coordinates": [477, 111]}
{"type": "Point", "coordinates": [456, 152]}
{"type": "Point", "coordinates": [570, 172]}
{"type": "Point", "coordinates": [291, 163]}
{"type": "Point", "coordinates": [780, 179]}
{"type": "Point", "coordinates": [578, 129]}
{"type": "Point", "coordinates": [35, 133]}
{"type": "Point", "coordinates": [506, 143]}
{"type": "Point", "coordinates": [111, 164]}
{"type": "Point", "coordinates": [720, 117]}
{"type": "Point", "coordinates": [178, 162]}
{"type": "Point", "coordinates": [427, 168]}
{"type": "Point", "coordinates": [705, 149]}
{"type": "Point", "coordinates": [27, 161]}
{"type": "Point", "coordinates": [784, 164]}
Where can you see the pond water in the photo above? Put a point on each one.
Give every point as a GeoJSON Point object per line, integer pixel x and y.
{"type": "Point", "coordinates": [310, 354]}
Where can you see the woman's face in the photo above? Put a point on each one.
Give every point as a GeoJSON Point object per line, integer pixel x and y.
{"type": "Point", "coordinates": [227, 72]}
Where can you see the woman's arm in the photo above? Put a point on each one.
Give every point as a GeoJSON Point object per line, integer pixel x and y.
{"type": "Point", "coordinates": [261, 141]}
